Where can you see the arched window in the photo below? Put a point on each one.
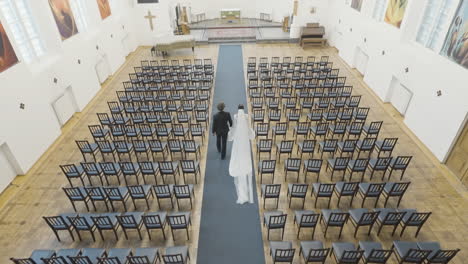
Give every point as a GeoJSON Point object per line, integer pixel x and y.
{"type": "Point", "coordinates": [17, 16]}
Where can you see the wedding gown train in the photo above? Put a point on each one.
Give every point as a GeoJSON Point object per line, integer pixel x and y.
{"type": "Point", "coordinates": [240, 166]}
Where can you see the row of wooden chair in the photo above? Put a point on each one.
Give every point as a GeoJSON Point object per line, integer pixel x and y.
{"type": "Point", "coordinates": [171, 255]}
{"type": "Point", "coordinates": [339, 189]}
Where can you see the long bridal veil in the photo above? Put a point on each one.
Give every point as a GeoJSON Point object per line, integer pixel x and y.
{"type": "Point", "coordinates": [240, 166]}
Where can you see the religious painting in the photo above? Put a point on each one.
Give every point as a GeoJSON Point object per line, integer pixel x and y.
{"type": "Point", "coordinates": [395, 12]}
{"type": "Point", "coordinates": [356, 4]}
{"type": "Point", "coordinates": [64, 18]}
{"type": "Point", "coordinates": [455, 46]}
{"type": "Point", "coordinates": [7, 54]}
{"type": "Point", "coordinates": [104, 8]}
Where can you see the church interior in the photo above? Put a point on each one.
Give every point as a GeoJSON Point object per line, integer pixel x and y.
{"type": "Point", "coordinates": [358, 107]}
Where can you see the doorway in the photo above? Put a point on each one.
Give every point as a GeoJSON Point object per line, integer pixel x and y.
{"type": "Point", "coordinates": [360, 60]}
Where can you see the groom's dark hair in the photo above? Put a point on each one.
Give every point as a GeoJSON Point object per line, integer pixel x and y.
{"type": "Point", "coordinates": [240, 106]}
{"type": "Point", "coordinates": [221, 106]}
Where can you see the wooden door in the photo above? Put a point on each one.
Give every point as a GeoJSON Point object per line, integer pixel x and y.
{"type": "Point", "coordinates": [458, 158]}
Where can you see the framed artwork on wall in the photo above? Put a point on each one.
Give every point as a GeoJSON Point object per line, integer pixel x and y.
{"type": "Point", "coordinates": [8, 56]}
{"type": "Point", "coordinates": [104, 8]}
{"type": "Point", "coordinates": [64, 18]}
{"type": "Point", "coordinates": [395, 12]}
{"type": "Point", "coordinates": [455, 46]}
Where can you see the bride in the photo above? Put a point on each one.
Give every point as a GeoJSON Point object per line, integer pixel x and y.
{"type": "Point", "coordinates": [240, 166]}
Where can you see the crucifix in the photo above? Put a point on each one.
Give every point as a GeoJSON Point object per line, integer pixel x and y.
{"type": "Point", "coordinates": [150, 17]}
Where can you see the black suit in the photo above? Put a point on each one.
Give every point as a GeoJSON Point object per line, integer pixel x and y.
{"type": "Point", "coordinates": [221, 123]}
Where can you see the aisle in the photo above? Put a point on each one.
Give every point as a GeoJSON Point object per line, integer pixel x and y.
{"type": "Point", "coordinates": [229, 233]}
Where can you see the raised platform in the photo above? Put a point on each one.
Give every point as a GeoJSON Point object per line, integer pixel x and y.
{"type": "Point", "coordinates": [248, 30]}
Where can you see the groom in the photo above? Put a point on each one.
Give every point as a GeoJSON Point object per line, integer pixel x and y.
{"type": "Point", "coordinates": [221, 123]}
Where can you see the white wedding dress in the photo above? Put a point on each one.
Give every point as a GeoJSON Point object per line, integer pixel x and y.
{"type": "Point", "coordinates": [240, 166]}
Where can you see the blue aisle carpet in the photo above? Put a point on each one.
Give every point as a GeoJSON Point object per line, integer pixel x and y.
{"type": "Point", "coordinates": [229, 233]}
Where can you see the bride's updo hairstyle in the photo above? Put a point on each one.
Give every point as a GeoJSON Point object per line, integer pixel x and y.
{"type": "Point", "coordinates": [241, 106]}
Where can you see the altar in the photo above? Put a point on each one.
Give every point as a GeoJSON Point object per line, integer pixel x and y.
{"type": "Point", "coordinates": [231, 15]}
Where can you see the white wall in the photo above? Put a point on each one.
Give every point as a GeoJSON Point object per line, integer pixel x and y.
{"type": "Point", "coordinates": [434, 120]}
{"type": "Point", "coordinates": [162, 23]}
{"type": "Point", "coordinates": [249, 9]}
{"type": "Point", "coordinates": [31, 131]}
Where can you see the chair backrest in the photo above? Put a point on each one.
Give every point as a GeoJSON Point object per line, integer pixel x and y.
{"type": "Point", "coordinates": [95, 192]}
{"type": "Point", "coordinates": [356, 126]}
{"type": "Point", "coordinates": [416, 255]}
{"type": "Point", "coordinates": [182, 189]}
{"type": "Point", "coordinates": [322, 127]}
{"type": "Point", "coordinates": [265, 143]}
{"type": "Point", "coordinates": [389, 143]}
{"type": "Point", "coordinates": [278, 219]}
{"type": "Point", "coordinates": [138, 260]}
{"type": "Point", "coordinates": [308, 145]}
{"type": "Point", "coordinates": [341, 163]}
{"type": "Point", "coordinates": [318, 255]}
{"type": "Point", "coordinates": [399, 188]}
{"type": "Point", "coordinates": [104, 145]}
{"type": "Point", "coordinates": [349, 145]}
{"type": "Point", "coordinates": [350, 187]}
{"type": "Point", "coordinates": [273, 189]}
{"type": "Point", "coordinates": [309, 219]}
{"type": "Point", "coordinates": [163, 189]}
{"type": "Point", "coordinates": [173, 259]}
{"type": "Point", "coordinates": [338, 218]}
{"type": "Point", "coordinates": [382, 163]}
{"type": "Point", "coordinates": [55, 260]}
{"type": "Point", "coordinates": [74, 193]}
{"type": "Point", "coordinates": [90, 167]}
{"type": "Point", "coordinates": [80, 260]}
{"type": "Point", "coordinates": [326, 188]}
{"type": "Point", "coordinates": [351, 256]}
{"type": "Point", "coordinates": [375, 188]}
{"type": "Point", "coordinates": [368, 218]}
{"type": "Point", "coordinates": [166, 167]}
{"type": "Point", "coordinates": [417, 219]}
{"type": "Point", "coordinates": [152, 220]}
{"type": "Point", "coordinates": [284, 255]}
{"type": "Point", "coordinates": [177, 219]}
{"type": "Point", "coordinates": [174, 144]}
{"type": "Point", "coordinates": [379, 255]}
{"type": "Point", "coordinates": [189, 145]}
{"type": "Point", "coordinates": [70, 170]}
{"type": "Point", "coordinates": [128, 168]}
{"type": "Point", "coordinates": [298, 188]}
{"type": "Point", "coordinates": [84, 145]}
{"type": "Point", "coordinates": [314, 164]}
{"type": "Point", "coordinates": [360, 164]}
{"type": "Point", "coordinates": [375, 126]}
{"type": "Point", "coordinates": [443, 256]}
{"type": "Point", "coordinates": [401, 162]}
{"type": "Point", "coordinates": [113, 192]}
{"type": "Point", "coordinates": [293, 163]}
{"type": "Point", "coordinates": [268, 165]}
{"type": "Point", "coordinates": [139, 144]}
{"type": "Point", "coordinates": [102, 221]}
{"type": "Point", "coordinates": [368, 143]}
{"type": "Point", "coordinates": [136, 189]}
{"type": "Point", "coordinates": [155, 144]}
{"type": "Point", "coordinates": [121, 145]}
{"type": "Point", "coordinates": [147, 167]}
{"type": "Point", "coordinates": [127, 221]}
{"type": "Point", "coordinates": [393, 217]}
{"type": "Point", "coordinates": [55, 221]}
{"type": "Point", "coordinates": [79, 222]}
{"type": "Point", "coordinates": [330, 144]}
